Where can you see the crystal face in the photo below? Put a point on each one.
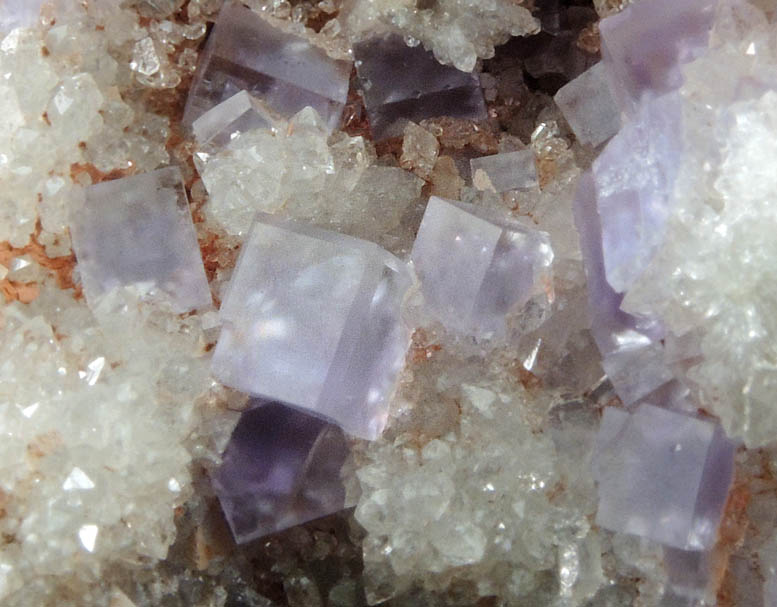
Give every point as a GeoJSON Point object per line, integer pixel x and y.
{"type": "Point", "coordinates": [138, 231]}
{"type": "Point", "coordinates": [245, 52]}
{"type": "Point", "coordinates": [662, 475]}
{"type": "Point", "coordinates": [220, 124]}
{"type": "Point", "coordinates": [505, 172]}
{"type": "Point", "coordinates": [399, 82]}
{"type": "Point", "coordinates": [311, 318]}
{"type": "Point", "coordinates": [281, 468]}
{"type": "Point", "coordinates": [477, 270]}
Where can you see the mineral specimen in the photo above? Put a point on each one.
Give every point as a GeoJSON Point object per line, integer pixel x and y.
{"type": "Point", "coordinates": [280, 468]}
{"type": "Point", "coordinates": [504, 172]}
{"type": "Point", "coordinates": [481, 274]}
{"type": "Point", "coordinates": [402, 82]}
{"type": "Point", "coordinates": [137, 231]}
{"type": "Point", "coordinates": [223, 122]}
{"type": "Point", "coordinates": [19, 13]}
{"type": "Point", "coordinates": [246, 52]}
{"type": "Point", "coordinates": [311, 318]}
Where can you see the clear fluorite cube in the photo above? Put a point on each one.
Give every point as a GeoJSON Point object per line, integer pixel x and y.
{"type": "Point", "coordinates": [401, 83]}
{"type": "Point", "coordinates": [311, 318]}
{"type": "Point", "coordinates": [285, 71]}
{"type": "Point", "coordinates": [281, 468]}
{"type": "Point", "coordinates": [505, 172]}
{"type": "Point", "coordinates": [223, 122]}
{"type": "Point", "coordinates": [138, 232]}
{"type": "Point", "coordinates": [662, 475]}
{"type": "Point", "coordinates": [479, 270]}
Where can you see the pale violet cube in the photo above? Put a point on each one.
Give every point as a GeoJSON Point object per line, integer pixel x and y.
{"type": "Point", "coordinates": [505, 172]}
{"type": "Point", "coordinates": [480, 271]}
{"type": "Point", "coordinates": [138, 232]}
{"type": "Point", "coordinates": [222, 123]}
{"type": "Point", "coordinates": [311, 318]}
{"type": "Point", "coordinates": [662, 475]}
{"type": "Point", "coordinates": [246, 52]}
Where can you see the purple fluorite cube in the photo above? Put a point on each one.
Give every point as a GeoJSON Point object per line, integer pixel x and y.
{"type": "Point", "coordinates": [19, 13]}
{"type": "Point", "coordinates": [312, 318]}
{"type": "Point", "coordinates": [246, 52]}
{"type": "Point", "coordinates": [281, 468]}
{"type": "Point", "coordinates": [401, 83]}
{"type": "Point", "coordinates": [662, 475]}
{"type": "Point", "coordinates": [138, 231]}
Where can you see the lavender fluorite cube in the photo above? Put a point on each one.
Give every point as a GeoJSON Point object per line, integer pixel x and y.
{"type": "Point", "coordinates": [220, 124]}
{"type": "Point", "coordinates": [477, 269]}
{"type": "Point", "coordinates": [245, 52]}
{"type": "Point", "coordinates": [281, 468]}
{"type": "Point", "coordinates": [138, 231]}
{"type": "Point", "coordinates": [311, 318]}
{"type": "Point", "coordinates": [662, 475]}
{"type": "Point", "coordinates": [401, 83]}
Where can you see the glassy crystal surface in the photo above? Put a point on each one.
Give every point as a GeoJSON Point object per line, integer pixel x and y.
{"type": "Point", "coordinates": [662, 475]}
{"type": "Point", "coordinates": [245, 52]}
{"type": "Point", "coordinates": [281, 468]}
{"type": "Point", "coordinates": [19, 13]}
{"type": "Point", "coordinates": [400, 82]}
{"type": "Point", "coordinates": [505, 172]}
{"type": "Point", "coordinates": [138, 231]}
{"type": "Point", "coordinates": [589, 107]}
{"type": "Point", "coordinates": [478, 270]}
{"type": "Point", "coordinates": [311, 318]}
{"type": "Point", "coordinates": [220, 124]}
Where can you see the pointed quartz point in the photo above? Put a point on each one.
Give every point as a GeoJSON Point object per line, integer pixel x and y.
{"type": "Point", "coordinates": [285, 71]}
{"type": "Point", "coordinates": [311, 318]}
{"type": "Point", "coordinates": [281, 468]}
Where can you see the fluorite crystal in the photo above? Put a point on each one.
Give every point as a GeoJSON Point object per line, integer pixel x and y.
{"type": "Point", "coordinates": [223, 122]}
{"type": "Point", "coordinates": [288, 73]}
{"type": "Point", "coordinates": [311, 318]}
{"type": "Point", "coordinates": [662, 475]}
{"type": "Point", "coordinates": [281, 468]}
{"type": "Point", "coordinates": [504, 172]}
{"type": "Point", "coordinates": [400, 82]}
{"type": "Point", "coordinates": [481, 273]}
{"type": "Point", "coordinates": [138, 232]}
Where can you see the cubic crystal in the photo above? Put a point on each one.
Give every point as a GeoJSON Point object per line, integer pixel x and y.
{"type": "Point", "coordinates": [311, 318]}
{"type": "Point", "coordinates": [246, 52]}
{"type": "Point", "coordinates": [138, 231]}
{"type": "Point", "coordinates": [220, 124]}
{"type": "Point", "coordinates": [481, 272]}
{"type": "Point", "coordinates": [281, 468]}
{"type": "Point", "coordinates": [19, 13]}
{"type": "Point", "coordinates": [505, 172]}
{"type": "Point", "coordinates": [662, 475]}
{"type": "Point", "coordinates": [402, 82]}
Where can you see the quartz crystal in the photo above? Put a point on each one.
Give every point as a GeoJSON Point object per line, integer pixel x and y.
{"type": "Point", "coordinates": [589, 107]}
{"type": "Point", "coordinates": [480, 273]}
{"type": "Point", "coordinates": [504, 172]}
{"type": "Point", "coordinates": [662, 475]}
{"type": "Point", "coordinates": [400, 82]}
{"type": "Point", "coordinates": [223, 122]}
{"type": "Point", "coordinates": [311, 318]}
{"type": "Point", "coordinates": [288, 73]}
{"type": "Point", "coordinates": [138, 231]}
{"type": "Point", "coordinates": [280, 468]}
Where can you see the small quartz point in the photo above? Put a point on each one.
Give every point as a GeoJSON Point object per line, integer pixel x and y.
{"type": "Point", "coordinates": [311, 318]}
{"type": "Point", "coordinates": [662, 475]}
{"type": "Point", "coordinates": [589, 107]}
{"type": "Point", "coordinates": [505, 172]}
{"type": "Point", "coordinates": [281, 468]}
{"type": "Point", "coordinates": [480, 273]}
{"type": "Point", "coordinates": [138, 232]}
{"type": "Point", "coordinates": [401, 83]}
{"type": "Point", "coordinates": [285, 71]}
{"type": "Point", "coordinates": [225, 121]}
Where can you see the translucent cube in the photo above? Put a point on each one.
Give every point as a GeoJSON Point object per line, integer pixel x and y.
{"type": "Point", "coordinates": [400, 82]}
{"type": "Point", "coordinates": [311, 318]}
{"type": "Point", "coordinates": [281, 468]}
{"type": "Point", "coordinates": [138, 232]}
{"type": "Point", "coordinates": [662, 475]}
{"type": "Point", "coordinates": [505, 172]}
{"type": "Point", "coordinates": [220, 124]}
{"type": "Point", "coordinates": [479, 271]}
{"type": "Point", "coordinates": [245, 52]}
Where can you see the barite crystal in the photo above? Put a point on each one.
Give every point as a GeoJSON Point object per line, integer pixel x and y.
{"type": "Point", "coordinates": [288, 73]}
{"type": "Point", "coordinates": [223, 122]}
{"type": "Point", "coordinates": [401, 83]}
{"type": "Point", "coordinates": [281, 468]}
{"type": "Point", "coordinates": [311, 318]}
{"type": "Point", "coordinates": [589, 107]}
{"type": "Point", "coordinates": [481, 273]}
{"type": "Point", "coordinates": [505, 172]}
{"type": "Point", "coordinates": [662, 475]}
{"type": "Point", "coordinates": [138, 232]}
